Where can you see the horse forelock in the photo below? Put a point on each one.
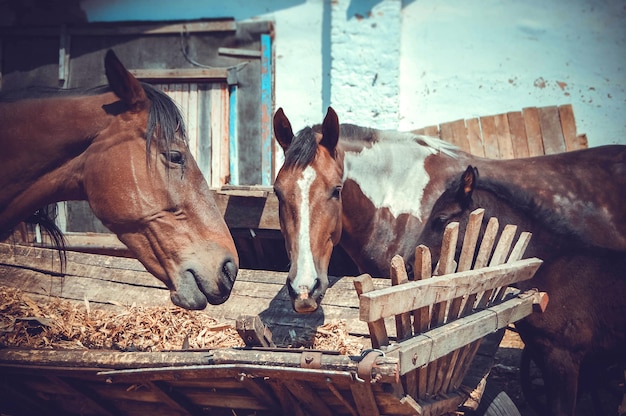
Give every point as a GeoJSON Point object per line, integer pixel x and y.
{"type": "Point", "coordinates": [303, 149]}
{"type": "Point", "coordinates": [165, 119]}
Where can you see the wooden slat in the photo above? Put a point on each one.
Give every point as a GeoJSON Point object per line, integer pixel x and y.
{"type": "Point", "coordinates": [413, 295]}
{"type": "Point", "coordinates": [553, 141]}
{"type": "Point", "coordinates": [568, 126]}
{"type": "Point", "coordinates": [520, 247]}
{"type": "Point", "coordinates": [422, 271]}
{"type": "Point", "coordinates": [470, 239]}
{"type": "Point", "coordinates": [399, 276]}
{"type": "Point", "coordinates": [474, 137]}
{"type": "Point", "coordinates": [503, 247]}
{"type": "Point", "coordinates": [308, 398]}
{"type": "Point", "coordinates": [505, 146]}
{"type": "Point", "coordinates": [192, 119]}
{"type": "Point", "coordinates": [364, 399]}
{"type": "Point", "coordinates": [490, 137]}
{"type": "Point", "coordinates": [422, 349]}
{"type": "Point", "coordinates": [500, 254]}
{"type": "Point", "coordinates": [181, 74]}
{"type": "Point", "coordinates": [378, 332]}
{"type": "Point", "coordinates": [489, 237]}
{"type": "Point", "coordinates": [454, 132]}
{"type": "Point", "coordinates": [421, 317]}
{"type": "Point", "coordinates": [533, 131]}
{"type": "Point", "coordinates": [517, 130]}
{"type": "Point", "coordinates": [446, 265]}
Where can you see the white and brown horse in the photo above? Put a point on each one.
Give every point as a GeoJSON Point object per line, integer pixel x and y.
{"type": "Point", "coordinates": [371, 191]}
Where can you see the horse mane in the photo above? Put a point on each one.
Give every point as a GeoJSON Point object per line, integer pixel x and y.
{"type": "Point", "coordinates": [527, 204]}
{"type": "Point", "coordinates": [164, 119]}
{"type": "Point", "coordinates": [304, 146]}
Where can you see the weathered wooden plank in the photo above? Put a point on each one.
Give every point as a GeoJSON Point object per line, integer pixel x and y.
{"type": "Point", "coordinates": [553, 141]}
{"type": "Point", "coordinates": [490, 137]}
{"type": "Point", "coordinates": [431, 131]}
{"type": "Point", "coordinates": [308, 398]}
{"type": "Point", "coordinates": [364, 399]}
{"type": "Point", "coordinates": [474, 137]}
{"type": "Point", "coordinates": [446, 266]}
{"type": "Point", "coordinates": [377, 329]}
{"type": "Point", "coordinates": [505, 145]}
{"type": "Point", "coordinates": [533, 131]}
{"type": "Point", "coordinates": [422, 270]}
{"type": "Point", "coordinates": [470, 239]}
{"type": "Point", "coordinates": [179, 74]}
{"type": "Point", "coordinates": [422, 349]}
{"type": "Point", "coordinates": [489, 237]}
{"type": "Point", "coordinates": [413, 295]}
{"type": "Point", "coordinates": [517, 131]}
{"type": "Point", "coordinates": [191, 116]}
{"type": "Point", "coordinates": [455, 132]}
{"type": "Point", "coordinates": [399, 276]}
{"type": "Point", "coordinates": [568, 126]}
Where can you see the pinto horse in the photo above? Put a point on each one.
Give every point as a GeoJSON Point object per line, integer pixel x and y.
{"type": "Point", "coordinates": [370, 191]}
{"type": "Point", "coordinates": [586, 317]}
{"type": "Point", "coordinates": [123, 148]}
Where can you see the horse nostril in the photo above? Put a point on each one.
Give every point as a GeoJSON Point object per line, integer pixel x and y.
{"type": "Point", "coordinates": [316, 286]}
{"type": "Point", "coordinates": [229, 269]}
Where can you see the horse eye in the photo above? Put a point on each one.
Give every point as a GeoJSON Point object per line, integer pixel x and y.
{"type": "Point", "coordinates": [174, 156]}
{"type": "Point", "coordinates": [336, 192]}
{"type": "Point", "coordinates": [440, 222]}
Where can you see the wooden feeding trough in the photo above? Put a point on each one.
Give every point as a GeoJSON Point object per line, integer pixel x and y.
{"type": "Point", "coordinates": [425, 364]}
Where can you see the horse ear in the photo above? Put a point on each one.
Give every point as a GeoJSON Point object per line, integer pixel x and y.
{"type": "Point", "coordinates": [122, 82]}
{"type": "Point", "coordinates": [467, 185]}
{"type": "Point", "coordinates": [330, 131]}
{"type": "Point", "coordinates": [282, 129]}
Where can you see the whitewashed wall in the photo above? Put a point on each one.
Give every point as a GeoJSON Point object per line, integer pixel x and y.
{"type": "Point", "coordinates": [407, 64]}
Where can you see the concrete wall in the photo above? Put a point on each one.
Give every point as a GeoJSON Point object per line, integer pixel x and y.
{"type": "Point", "coordinates": [407, 64]}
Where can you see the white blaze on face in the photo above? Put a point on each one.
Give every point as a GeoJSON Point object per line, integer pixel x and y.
{"type": "Point", "coordinates": [306, 267]}
{"type": "Point", "coordinates": [392, 175]}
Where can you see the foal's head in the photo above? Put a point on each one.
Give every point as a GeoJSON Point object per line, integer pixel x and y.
{"type": "Point", "coordinates": [308, 188]}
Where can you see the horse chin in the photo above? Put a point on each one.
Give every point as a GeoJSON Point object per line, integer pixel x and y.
{"type": "Point", "coordinates": [189, 299]}
{"type": "Point", "coordinates": [305, 305]}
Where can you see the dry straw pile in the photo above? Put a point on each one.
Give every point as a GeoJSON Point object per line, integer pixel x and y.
{"type": "Point", "coordinates": [60, 324]}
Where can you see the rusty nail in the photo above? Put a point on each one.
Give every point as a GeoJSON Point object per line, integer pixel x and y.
{"type": "Point", "coordinates": [414, 358]}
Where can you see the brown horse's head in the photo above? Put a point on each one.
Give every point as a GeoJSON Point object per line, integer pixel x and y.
{"type": "Point", "coordinates": [125, 151]}
{"type": "Point", "coordinates": [308, 187]}
{"type": "Point", "coordinates": [155, 198]}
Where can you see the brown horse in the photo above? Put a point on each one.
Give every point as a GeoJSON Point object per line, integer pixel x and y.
{"type": "Point", "coordinates": [586, 317]}
{"type": "Point", "coordinates": [371, 190]}
{"type": "Point", "coordinates": [122, 148]}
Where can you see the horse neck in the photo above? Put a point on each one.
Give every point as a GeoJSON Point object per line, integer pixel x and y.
{"type": "Point", "coordinates": [389, 190]}
{"type": "Point", "coordinates": [546, 242]}
{"type": "Point", "coordinates": [42, 162]}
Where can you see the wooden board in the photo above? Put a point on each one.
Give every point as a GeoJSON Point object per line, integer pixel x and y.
{"type": "Point", "coordinates": [531, 132]}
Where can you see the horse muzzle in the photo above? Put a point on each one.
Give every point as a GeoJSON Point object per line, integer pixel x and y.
{"type": "Point", "coordinates": [194, 290]}
{"type": "Point", "coordinates": [306, 300]}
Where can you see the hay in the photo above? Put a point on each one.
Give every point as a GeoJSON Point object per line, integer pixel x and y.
{"type": "Point", "coordinates": [60, 324]}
